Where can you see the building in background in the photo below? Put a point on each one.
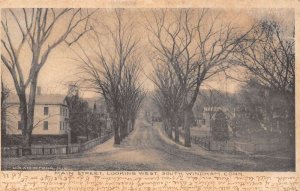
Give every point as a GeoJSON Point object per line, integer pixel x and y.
{"type": "Point", "coordinates": [51, 118]}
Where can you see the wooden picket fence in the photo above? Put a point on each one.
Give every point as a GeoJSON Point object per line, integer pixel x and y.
{"type": "Point", "coordinates": [238, 147]}
{"type": "Point", "coordinates": [54, 149]}
{"type": "Point", "coordinates": [201, 141]}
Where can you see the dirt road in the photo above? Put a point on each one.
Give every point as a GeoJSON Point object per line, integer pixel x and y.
{"type": "Point", "coordinates": [148, 148]}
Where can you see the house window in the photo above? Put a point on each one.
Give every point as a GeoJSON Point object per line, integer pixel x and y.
{"type": "Point", "coordinates": [60, 125]}
{"type": "Point", "coordinates": [46, 110]}
{"type": "Point", "coordinates": [45, 125]}
{"type": "Point", "coordinates": [19, 125]}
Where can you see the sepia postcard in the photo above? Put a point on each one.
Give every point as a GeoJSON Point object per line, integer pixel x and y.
{"type": "Point", "coordinates": [149, 95]}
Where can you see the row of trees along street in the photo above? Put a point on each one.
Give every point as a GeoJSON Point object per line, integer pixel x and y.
{"type": "Point", "coordinates": [112, 70]}
{"type": "Point", "coordinates": [115, 77]}
{"type": "Point", "coordinates": [188, 48]}
{"type": "Point", "coordinates": [192, 46]}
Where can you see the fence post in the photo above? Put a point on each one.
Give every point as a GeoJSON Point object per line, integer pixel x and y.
{"type": "Point", "coordinates": [20, 151]}
{"type": "Point", "coordinates": [234, 148]}
{"type": "Point", "coordinates": [208, 144]}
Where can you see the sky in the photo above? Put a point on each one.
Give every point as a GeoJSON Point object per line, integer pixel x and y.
{"type": "Point", "coordinates": [62, 65]}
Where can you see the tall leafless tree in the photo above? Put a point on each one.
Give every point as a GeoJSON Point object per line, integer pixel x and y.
{"type": "Point", "coordinates": [196, 45]}
{"type": "Point", "coordinates": [4, 95]}
{"type": "Point", "coordinates": [132, 94]}
{"type": "Point", "coordinates": [38, 37]}
{"type": "Point", "coordinates": [269, 55]}
{"type": "Point", "coordinates": [168, 98]}
{"type": "Point", "coordinates": [113, 72]}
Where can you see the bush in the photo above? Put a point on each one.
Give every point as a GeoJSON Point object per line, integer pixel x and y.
{"type": "Point", "coordinates": [220, 131]}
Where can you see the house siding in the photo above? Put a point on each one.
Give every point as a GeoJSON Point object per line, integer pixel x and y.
{"type": "Point", "coordinates": [54, 118]}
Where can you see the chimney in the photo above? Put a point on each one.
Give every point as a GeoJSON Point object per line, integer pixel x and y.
{"type": "Point", "coordinates": [38, 90]}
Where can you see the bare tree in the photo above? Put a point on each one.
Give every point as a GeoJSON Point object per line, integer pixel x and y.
{"type": "Point", "coordinates": [114, 72]}
{"type": "Point", "coordinates": [196, 45]}
{"type": "Point", "coordinates": [269, 56]}
{"type": "Point", "coordinates": [136, 94]}
{"type": "Point", "coordinates": [168, 98]}
{"type": "Point", "coordinates": [131, 96]}
{"type": "Point", "coordinates": [4, 95]}
{"type": "Point", "coordinates": [35, 26]}
{"type": "Point", "coordinates": [162, 106]}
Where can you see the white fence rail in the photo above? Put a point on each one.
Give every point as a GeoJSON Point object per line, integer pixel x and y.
{"type": "Point", "coordinates": [54, 149]}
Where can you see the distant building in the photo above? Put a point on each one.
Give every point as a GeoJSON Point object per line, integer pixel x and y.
{"type": "Point", "coordinates": [98, 107]}
{"type": "Point", "coordinates": [51, 115]}
{"type": "Point", "coordinates": [209, 114]}
{"type": "Point", "coordinates": [204, 121]}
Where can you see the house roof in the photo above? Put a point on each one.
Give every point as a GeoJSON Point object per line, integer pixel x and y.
{"type": "Point", "coordinates": [100, 106]}
{"type": "Point", "coordinates": [40, 99]}
{"type": "Point", "coordinates": [223, 109]}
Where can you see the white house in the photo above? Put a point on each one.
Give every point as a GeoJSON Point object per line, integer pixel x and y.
{"type": "Point", "coordinates": [208, 115]}
{"type": "Point", "coordinates": [51, 115]}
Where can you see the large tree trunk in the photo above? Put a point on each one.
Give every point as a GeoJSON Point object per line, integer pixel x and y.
{"type": "Point", "coordinates": [132, 124]}
{"type": "Point", "coordinates": [176, 129]}
{"type": "Point", "coordinates": [164, 124]}
{"type": "Point", "coordinates": [169, 128]}
{"type": "Point", "coordinates": [24, 118]}
{"type": "Point", "coordinates": [126, 129]}
{"type": "Point", "coordinates": [122, 130]}
{"type": "Point", "coordinates": [26, 136]}
{"type": "Point", "coordinates": [186, 125]}
{"type": "Point", "coordinates": [117, 140]}
{"type": "Point", "coordinates": [116, 136]}
{"type": "Point", "coordinates": [27, 115]}
{"type": "Point", "coordinates": [31, 105]}
{"type": "Point", "coordinates": [3, 124]}
{"type": "Point", "coordinates": [123, 124]}
{"type": "Point", "coordinates": [129, 126]}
